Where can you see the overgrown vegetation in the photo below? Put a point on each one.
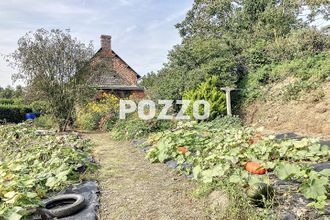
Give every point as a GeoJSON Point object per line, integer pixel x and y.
{"type": "Point", "coordinates": [246, 44]}
{"type": "Point", "coordinates": [99, 114]}
{"type": "Point", "coordinates": [32, 166]}
{"type": "Point", "coordinates": [216, 152]}
{"type": "Point", "coordinates": [136, 128]}
{"type": "Point", "coordinates": [306, 73]}
{"type": "Point", "coordinates": [12, 105]}
{"type": "Point", "coordinates": [11, 93]}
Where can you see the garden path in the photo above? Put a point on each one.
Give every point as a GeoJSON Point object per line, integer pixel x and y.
{"type": "Point", "coordinates": [133, 188]}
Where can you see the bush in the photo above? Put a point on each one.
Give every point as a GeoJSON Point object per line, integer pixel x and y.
{"type": "Point", "coordinates": [4, 101]}
{"type": "Point", "coordinates": [99, 114]}
{"type": "Point", "coordinates": [13, 113]}
{"type": "Point", "coordinates": [90, 121]}
{"type": "Point", "coordinates": [45, 121]}
{"type": "Point", "coordinates": [134, 127]}
{"type": "Point", "coordinates": [210, 92]}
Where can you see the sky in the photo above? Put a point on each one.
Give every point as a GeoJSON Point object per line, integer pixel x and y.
{"type": "Point", "coordinates": [142, 30]}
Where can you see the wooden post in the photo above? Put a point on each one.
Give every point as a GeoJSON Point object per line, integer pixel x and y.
{"type": "Point", "coordinates": [228, 98]}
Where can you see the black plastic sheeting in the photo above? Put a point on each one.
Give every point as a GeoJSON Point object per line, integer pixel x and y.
{"type": "Point", "coordinates": [291, 135]}
{"type": "Point", "coordinates": [90, 191]}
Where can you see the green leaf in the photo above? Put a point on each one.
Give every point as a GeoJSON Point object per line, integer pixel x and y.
{"type": "Point", "coordinates": [286, 170]}
{"type": "Point", "coordinates": [325, 172]}
{"type": "Point", "coordinates": [31, 195]}
{"type": "Point", "coordinates": [51, 181]}
{"type": "Point", "coordinates": [235, 178]}
{"type": "Point", "coordinates": [14, 216]}
{"type": "Point", "coordinates": [314, 188]}
{"type": "Point", "coordinates": [10, 194]}
{"type": "Point", "coordinates": [196, 171]}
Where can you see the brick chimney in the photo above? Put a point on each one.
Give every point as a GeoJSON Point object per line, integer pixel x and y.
{"type": "Point", "coordinates": [106, 43]}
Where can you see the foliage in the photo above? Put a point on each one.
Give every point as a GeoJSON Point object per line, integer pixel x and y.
{"type": "Point", "coordinates": [99, 114]}
{"type": "Point", "coordinates": [219, 153]}
{"type": "Point", "coordinates": [309, 71]}
{"type": "Point", "coordinates": [11, 93]}
{"type": "Point", "coordinates": [44, 121]}
{"type": "Point", "coordinates": [210, 92]}
{"type": "Point", "coordinates": [134, 127]}
{"type": "Point", "coordinates": [54, 67]}
{"type": "Point", "coordinates": [227, 121]}
{"type": "Point", "coordinates": [237, 41]}
{"type": "Point", "coordinates": [31, 166]}
{"type": "Point", "coordinates": [40, 106]}
{"type": "Point", "coordinates": [191, 64]}
{"type": "Point", "coordinates": [89, 121]}
{"type": "Point", "coordinates": [13, 113]}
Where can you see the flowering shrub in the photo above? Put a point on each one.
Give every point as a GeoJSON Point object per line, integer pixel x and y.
{"type": "Point", "coordinates": [99, 114]}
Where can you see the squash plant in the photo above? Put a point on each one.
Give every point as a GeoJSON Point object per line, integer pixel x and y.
{"type": "Point", "coordinates": [219, 153]}
{"type": "Point", "coordinates": [31, 166]}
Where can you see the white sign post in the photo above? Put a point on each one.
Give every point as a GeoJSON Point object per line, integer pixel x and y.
{"type": "Point", "coordinates": [228, 98]}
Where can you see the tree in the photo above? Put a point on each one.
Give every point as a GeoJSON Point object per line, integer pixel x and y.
{"type": "Point", "coordinates": [55, 68]}
{"type": "Point", "coordinates": [231, 39]}
{"type": "Point", "coordinates": [7, 92]}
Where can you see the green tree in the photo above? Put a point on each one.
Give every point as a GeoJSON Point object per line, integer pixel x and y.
{"type": "Point", "coordinates": [54, 67]}
{"type": "Point", "coordinates": [231, 39]}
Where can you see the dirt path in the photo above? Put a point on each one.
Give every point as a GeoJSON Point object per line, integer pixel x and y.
{"type": "Point", "coordinates": [133, 188]}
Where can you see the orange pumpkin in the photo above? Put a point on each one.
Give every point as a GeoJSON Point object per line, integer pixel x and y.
{"type": "Point", "coordinates": [255, 168]}
{"type": "Point", "coordinates": [182, 150]}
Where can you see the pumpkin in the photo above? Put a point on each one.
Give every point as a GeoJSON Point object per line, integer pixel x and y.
{"type": "Point", "coordinates": [259, 193]}
{"type": "Point", "coordinates": [182, 150]}
{"type": "Point", "coordinates": [255, 168]}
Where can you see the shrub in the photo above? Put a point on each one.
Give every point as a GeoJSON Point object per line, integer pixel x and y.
{"type": "Point", "coordinates": [89, 121]}
{"type": "Point", "coordinates": [99, 114]}
{"type": "Point", "coordinates": [4, 101]}
{"type": "Point", "coordinates": [11, 101]}
{"type": "Point", "coordinates": [13, 113]}
{"type": "Point", "coordinates": [45, 121]}
{"type": "Point", "coordinates": [210, 92]}
{"type": "Point", "coordinates": [134, 127]}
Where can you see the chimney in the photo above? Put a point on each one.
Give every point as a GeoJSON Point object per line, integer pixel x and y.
{"type": "Point", "coordinates": [106, 42]}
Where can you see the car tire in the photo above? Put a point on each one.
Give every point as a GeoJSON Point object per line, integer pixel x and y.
{"type": "Point", "coordinates": [63, 205]}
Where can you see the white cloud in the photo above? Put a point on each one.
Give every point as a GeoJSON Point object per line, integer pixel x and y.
{"type": "Point", "coordinates": [142, 30]}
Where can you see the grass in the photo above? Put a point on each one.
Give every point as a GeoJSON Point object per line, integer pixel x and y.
{"type": "Point", "coordinates": [239, 206]}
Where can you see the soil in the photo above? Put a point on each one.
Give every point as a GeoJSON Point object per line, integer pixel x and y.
{"type": "Point", "coordinates": [309, 115]}
{"type": "Point", "coordinates": [134, 188]}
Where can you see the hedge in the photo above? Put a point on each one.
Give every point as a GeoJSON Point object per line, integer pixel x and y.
{"type": "Point", "coordinates": [13, 113]}
{"type": "Point", "coordinates": [4, 101]}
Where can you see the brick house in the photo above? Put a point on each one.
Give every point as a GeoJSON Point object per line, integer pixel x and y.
{"type": "Point", "coordinates": [122, 80]}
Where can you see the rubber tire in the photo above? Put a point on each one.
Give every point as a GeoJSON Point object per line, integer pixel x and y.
{"type": "Point", "coordinates": [66, 210]}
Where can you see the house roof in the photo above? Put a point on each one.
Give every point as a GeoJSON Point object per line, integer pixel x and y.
{"type": "Point", "coordinates": [116, 55]}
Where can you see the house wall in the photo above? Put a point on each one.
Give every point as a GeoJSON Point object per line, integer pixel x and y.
{"type": "Point", "coordinates": [137, 94]}
{"type": "Point", "coordinates": [131, 94]}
